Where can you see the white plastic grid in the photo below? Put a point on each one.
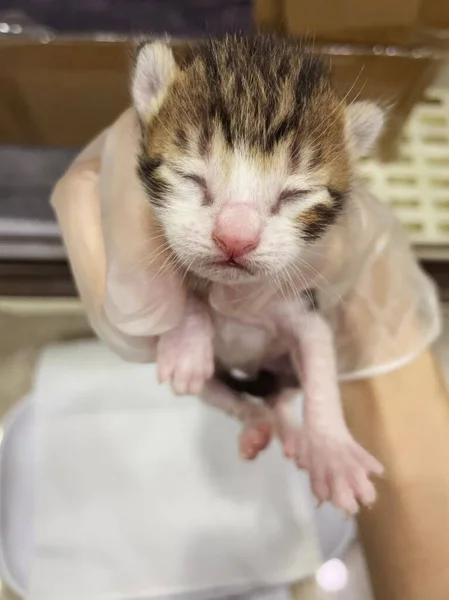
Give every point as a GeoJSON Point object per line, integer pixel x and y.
{"type": "Point", "coordinates": [416, 185]}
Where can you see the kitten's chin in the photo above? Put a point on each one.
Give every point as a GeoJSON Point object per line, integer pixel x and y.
{"type": "Point", "coordinates": [226, 274]}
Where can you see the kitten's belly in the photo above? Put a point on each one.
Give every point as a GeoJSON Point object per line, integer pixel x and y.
{"type": "Point", "coordinates": [238, 345]}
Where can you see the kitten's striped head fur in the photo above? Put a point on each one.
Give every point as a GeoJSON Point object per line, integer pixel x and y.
{"type": "Point", "coordinates": [247, 151]}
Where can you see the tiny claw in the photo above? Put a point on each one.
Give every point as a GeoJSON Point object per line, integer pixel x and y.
{"type": "Point", "coordinates": [319, 503]}
{"type": "Point", "coordinates": [247, 455]}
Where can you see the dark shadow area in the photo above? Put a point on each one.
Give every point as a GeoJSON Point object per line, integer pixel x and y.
{"type": "Point", "coordinates": [177, 17]}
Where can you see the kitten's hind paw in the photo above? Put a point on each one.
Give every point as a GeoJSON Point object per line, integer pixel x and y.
{"type": "Point", "coordinates": [339, 468]}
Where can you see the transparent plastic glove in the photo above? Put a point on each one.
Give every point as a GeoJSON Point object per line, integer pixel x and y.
{"type": "Point", "coordinates": [124, 274]}
{"type": "Point", "coordinates": [364, 266]}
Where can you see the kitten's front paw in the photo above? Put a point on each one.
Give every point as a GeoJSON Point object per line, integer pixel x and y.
{"type": "Point", "coordinates": [185, 359]}
{"type": "Point", "coordinates": [339, 468]}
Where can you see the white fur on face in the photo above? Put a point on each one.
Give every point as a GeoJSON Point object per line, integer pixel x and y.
{"type": "Point", "coordinates": [237, 177]}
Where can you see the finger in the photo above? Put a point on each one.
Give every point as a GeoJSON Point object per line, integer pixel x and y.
{"type": "Point", "coordinates": [144, 294]}
{"type": "Point", "coordinates": [75, 200]}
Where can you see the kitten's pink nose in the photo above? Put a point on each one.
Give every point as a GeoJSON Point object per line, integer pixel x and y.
{"type": "Point", "coordinates": [237, 229]}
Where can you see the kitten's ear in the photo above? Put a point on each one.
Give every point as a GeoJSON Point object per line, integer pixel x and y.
{"type": "Point", "coordinates": [154, 70]}
{"type": "Point", "coordinates": [364, 122]}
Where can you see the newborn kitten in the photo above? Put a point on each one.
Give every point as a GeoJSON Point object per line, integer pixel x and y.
{"type": "Point", "coordinates": [247, 156]}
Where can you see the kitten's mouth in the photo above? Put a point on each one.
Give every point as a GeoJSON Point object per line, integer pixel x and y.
{"type": "Point", "coordinates": [223, 271]}
{"type": "Point", "coordinates": [231, 265]}
{"type": "Point", "coordinates": [228, 270]}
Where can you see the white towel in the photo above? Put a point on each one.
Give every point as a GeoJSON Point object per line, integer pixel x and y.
{"type": "Point", "coordinates": [139, 494]}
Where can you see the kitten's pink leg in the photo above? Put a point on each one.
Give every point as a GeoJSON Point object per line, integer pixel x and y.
{"type": "Point", "coordinates": [185, 353]}
{"type": "Point", "coordinates": [256, 418]}
{"type": "Point", "coordinates": [339, 467]}
{"type": "Point", "coordinates": [286, 420]}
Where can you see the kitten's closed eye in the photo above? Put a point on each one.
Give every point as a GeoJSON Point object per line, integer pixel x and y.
{"type": "Point", "coordinates": [288, 196]}
{"type": "Point", "coordinates": [199, 181]}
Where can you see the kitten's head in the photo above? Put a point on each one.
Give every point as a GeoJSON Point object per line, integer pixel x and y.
{"type": "Point", "coordinates": [247, 151]}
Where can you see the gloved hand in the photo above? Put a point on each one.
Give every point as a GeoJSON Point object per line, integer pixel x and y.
{"type": "Point", "coordinates": [127, 280]}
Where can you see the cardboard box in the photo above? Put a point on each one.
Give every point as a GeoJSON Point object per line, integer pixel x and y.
{"type": "Point", "coordinates": [434, 14]}
{"type": "Point", "coordinates": [402, 22]}
{"type": "Point", "coordinates": [349, 20]}
{"type": "Point", "coordinates": [61, 93]}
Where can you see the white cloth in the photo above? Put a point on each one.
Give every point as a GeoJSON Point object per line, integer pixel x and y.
{"type": "Point", "coordinates": [139, 494]}
{"type": "Point", "coordinates": [16, 498]}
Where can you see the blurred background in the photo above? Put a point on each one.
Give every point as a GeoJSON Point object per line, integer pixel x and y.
{"type": "Point", "coordinates": [64, 76]}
